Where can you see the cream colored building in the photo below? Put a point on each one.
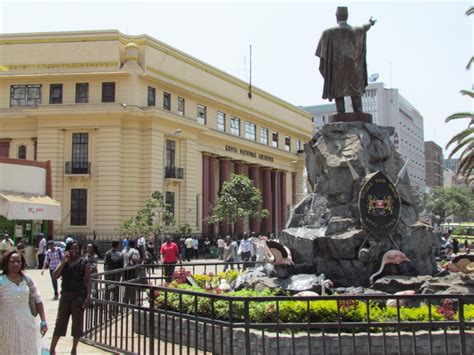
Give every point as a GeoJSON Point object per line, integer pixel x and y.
{"type": "Point", "coordinates": [121, 116]}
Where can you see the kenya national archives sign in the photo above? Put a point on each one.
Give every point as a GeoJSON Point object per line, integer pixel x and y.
{"type": "Point", "coordinates": [248, 153]}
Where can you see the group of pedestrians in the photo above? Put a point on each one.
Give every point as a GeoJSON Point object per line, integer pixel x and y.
{"type": "Point", "coordinates": [188, 248]}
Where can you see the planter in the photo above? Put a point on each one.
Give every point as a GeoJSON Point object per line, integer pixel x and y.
{"type": "Point", "coordinates": [220, 339]}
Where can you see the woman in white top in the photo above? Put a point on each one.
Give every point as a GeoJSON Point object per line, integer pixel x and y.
{"type": "Point", "coordinates": [19, 333]}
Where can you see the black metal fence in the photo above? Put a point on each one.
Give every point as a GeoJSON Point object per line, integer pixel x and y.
{"type": "Point", "coordinates": [133, 313]}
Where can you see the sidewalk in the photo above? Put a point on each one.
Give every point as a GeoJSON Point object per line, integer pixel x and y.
{"type": "Point", "coordinates": [64, 346]}
{"type": "Point", "coordinates": [51, 309]}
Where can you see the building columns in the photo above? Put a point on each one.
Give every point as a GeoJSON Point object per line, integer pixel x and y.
{"type": "Point", "coordinates": [205, 194]}
{"type": "Point", "coordinates": [267, 201]}
{"type": "Point", "coordinates": [212, 190]}
{"type": "Point", "coordinates": [293, 189]}
{"type": "Point", "coordinates": [254, 174]}
{"type": "Point", "coordinates": [282, 218]}
{"type": "Point", "coordinates": [276, 201]}
{"type": "Point", "coordinates": [239, 170]}
{"type": "Point", "coordinates": [224, 175]}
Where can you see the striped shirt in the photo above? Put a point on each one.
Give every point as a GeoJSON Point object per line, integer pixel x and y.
{"type": "Point", "coordinates": [53, 258]}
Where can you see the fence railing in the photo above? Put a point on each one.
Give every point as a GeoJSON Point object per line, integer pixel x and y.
{"type": "Point", "coordinates": [133, 313]}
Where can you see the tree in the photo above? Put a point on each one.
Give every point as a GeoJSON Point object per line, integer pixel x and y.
{"type": "Point", "coordinates": [237, 200]}
{"type": "Point", "coordinates": [185, 229]}
{"type": "Point", "coordinates": [464, 140]}
{"type": "Point", "coordinates": [447, 201]}
{"type": "Point", "coordinates": [151, 219]}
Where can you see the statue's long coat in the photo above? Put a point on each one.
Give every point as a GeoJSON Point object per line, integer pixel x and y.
{"type": "Point", "coordinates": [342, 51]}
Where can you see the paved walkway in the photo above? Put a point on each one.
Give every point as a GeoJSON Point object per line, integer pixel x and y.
{"type": "Point", "coordinates": [51, 308]}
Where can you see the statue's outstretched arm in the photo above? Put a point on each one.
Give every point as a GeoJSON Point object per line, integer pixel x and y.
{"type": "Point", "coordinates": [371, 21]}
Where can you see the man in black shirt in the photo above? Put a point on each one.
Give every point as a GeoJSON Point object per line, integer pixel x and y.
{"type": "Point", "coordinates": [113, 260]}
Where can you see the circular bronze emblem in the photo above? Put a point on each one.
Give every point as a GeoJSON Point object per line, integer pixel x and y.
{"type": "Point", "coordinates": [379, 204]}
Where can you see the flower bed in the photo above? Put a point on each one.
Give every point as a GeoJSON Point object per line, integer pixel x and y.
{"type": "Point", "coordinates": [291, 311]}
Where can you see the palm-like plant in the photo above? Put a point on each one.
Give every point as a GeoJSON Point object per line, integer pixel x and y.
{"type": "Point", "coordinates": [464, 140]}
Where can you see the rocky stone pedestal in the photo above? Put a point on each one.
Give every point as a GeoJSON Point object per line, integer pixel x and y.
{"type": "Point", "coordinates": [324, 232]}
{"type": "Point", "coordinates": [351, 117]}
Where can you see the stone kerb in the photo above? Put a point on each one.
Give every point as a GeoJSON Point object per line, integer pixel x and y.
{"type": "Point", "coordinates": [218, 339]}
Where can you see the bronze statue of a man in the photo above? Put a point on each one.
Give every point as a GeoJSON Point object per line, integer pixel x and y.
{"type": "Point", "coordinates": [342, 51]}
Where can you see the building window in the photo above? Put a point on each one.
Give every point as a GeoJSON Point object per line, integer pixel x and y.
{"type": "Point", "coordinates": [80, 153]}
{"type": "Point", "coordinates": [170, 153]}
{"type": "Point", "coordinates": [201, 114]}
{"type": "Point", "coordinates": [108, 92]}
{"type": "Point", "coordinates": [78, 207]}
{"type": "Point", "coordinates": [22, 152]}
{"type": "Point", "coordinates": [25, 95]}
{"type": "Point", "coordinates": [287, 143]}
{"type": "Point", "coordinates": [82, 93]}
{"type": "Point", "coordinates": [181, 106]}
{"type": "Point", "coordinates": [56, 94]}
{"type": "Point", "coordinates": [151, 101]}
{"type": "Point", "coordinates": [169, 200]}
{"type": "Point", "coordinates": [264, 136]}
{"type": "Point", "coordinates": [275, 139]}
{"type": "Point", "coordinates": [221, 121]}
{"type": "Point", "coordinates": [235, 126]}
{"type": "Point", "coordinates": [167, 101]}
{"type": "Point", "coordinates": [250, 131]}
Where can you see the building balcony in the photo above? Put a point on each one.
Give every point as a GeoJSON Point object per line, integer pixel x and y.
{"type": "Point", "coordinates": [172, 172]}
{"type": "Point", "coordinates": [77, 168]}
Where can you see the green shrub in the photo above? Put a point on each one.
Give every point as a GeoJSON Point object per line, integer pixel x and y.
{"type": "Point", "coordinates": [289, 311]}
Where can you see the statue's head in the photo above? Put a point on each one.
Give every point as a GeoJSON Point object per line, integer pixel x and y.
{"type": "Point", "coordinates": [342, 14]}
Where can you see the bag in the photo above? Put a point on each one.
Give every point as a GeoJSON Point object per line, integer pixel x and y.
{"type": "Point", "coordinates": [44, 346]}
{"type": "Point", "coordinates": [148, 258]}
{"type": "Point", "coordinates": [31, 299]}
{"type": "Point", "coordinates": [116, 258]}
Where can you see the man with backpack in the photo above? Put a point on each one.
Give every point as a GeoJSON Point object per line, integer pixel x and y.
{"type": "Point", "coordinates": [131, 258]}
{"type": "Point", "coordinates": [113, 260]}
{"type": "Point", "coordinates": [53, 258]}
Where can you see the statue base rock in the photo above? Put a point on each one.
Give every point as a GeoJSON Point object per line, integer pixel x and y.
{"type": "Point", "coordinates": [324, 231]}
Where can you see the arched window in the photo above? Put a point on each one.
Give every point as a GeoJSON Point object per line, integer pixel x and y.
{"type": "Point", "coordinates": [22, 152]}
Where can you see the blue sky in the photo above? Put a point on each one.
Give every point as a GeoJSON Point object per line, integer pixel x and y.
{"type": "Point", "coordinates": [421, 48]}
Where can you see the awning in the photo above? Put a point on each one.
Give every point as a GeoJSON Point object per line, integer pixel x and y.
{"type": "Point", "coordinates": [15, 205]}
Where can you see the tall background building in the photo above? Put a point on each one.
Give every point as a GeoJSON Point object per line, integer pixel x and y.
{"type": "Point", "coordinates": [121, 116]}
{"type": "Point", "coordinates": [388, 108]}
{"type": "Point", "coordinates": [451, 168]}
{"type": "Point", "coordinates": [434, 165]}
